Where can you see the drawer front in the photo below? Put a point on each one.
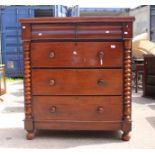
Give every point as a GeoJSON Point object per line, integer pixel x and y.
{"type": "Point", "coordinates": [84, 108]}
{"type": "Point", "coordinates": [80, 54]}
{"type": "Point", "coordinates": [71, 31]}
{"type": "Point", "coordinates": [88, 31]}
{"type": "Point", "coordinates": [77, 82]}
{"type": "Point", "coordinates": [53, 31]}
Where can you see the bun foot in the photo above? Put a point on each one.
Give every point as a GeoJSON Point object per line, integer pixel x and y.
{"type": "Point", "coordinates": [30, 135]}
{"type": "Point", "coordinates": [126, 136]}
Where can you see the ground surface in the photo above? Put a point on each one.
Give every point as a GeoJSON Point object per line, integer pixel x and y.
{"type": "Point", "coordinates": [12, 134]}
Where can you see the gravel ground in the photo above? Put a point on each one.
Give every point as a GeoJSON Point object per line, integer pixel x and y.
{"type": "Point", "coordinates": [12, 134]}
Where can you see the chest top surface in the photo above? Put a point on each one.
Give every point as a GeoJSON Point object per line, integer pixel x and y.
{"type": "Point", "coordinates": [77, 19]}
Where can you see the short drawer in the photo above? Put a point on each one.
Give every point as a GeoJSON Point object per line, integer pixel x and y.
{"type": "Point", "coordinates": [77, 82]}
{"type": "Point", "coordinates": [80, 108]}
{"type": "Point", "coordinates": [95, 31]}
{"type": "Point", "coordinates": [80, 54]}
{"type": "Point", "coordinates": [53, 31]}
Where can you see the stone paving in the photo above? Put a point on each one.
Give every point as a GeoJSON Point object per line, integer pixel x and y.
{"type": "Point", "coordinates": [12, 134]}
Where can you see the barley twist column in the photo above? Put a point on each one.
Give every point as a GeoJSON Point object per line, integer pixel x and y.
{"type": "Point", "coordinates": [127, 90]}
{"type": "Point", "coordinates": [27, 91]}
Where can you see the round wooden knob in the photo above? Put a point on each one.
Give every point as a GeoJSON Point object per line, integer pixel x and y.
{"type": "Point", "coordinates": [53, 109]}
{"type": "Point", "coordinates": [51, 82]}
{"type": "Point", "coordinates": [51, 54]}
{"type": "Point", "coordinates": [100, 82]}
{"type": "Point", "coordinates": [100, 109]}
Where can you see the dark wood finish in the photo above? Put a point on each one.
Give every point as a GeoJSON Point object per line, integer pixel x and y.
{"type": "Point", "coordinates": [126, 128]}
{"type": "Point", "coordinates": [77, 73]}
{"type": "Point", "coordinates": [53, 31]}
{"type": "Point", "coordinates": [126, 136]}
{"type": "Point", "coordinates": [75, 108]}
{"type": "Point", "coordinates": [76, 31]}
{"type": "Point", "coordinates": [80, 54]}
{"type": "Point", "coordinates": [78, 20]}
{"type": "Point", "coordinates": [78, 125]}
{"type": "Point", "coordinates": [27, 81]}
{"type": "Point", "coordinates": [99, 31]}
{"type": "Point", "coordinates": [149, 76]}
{"type": "Point", "coordinates": [76, 82]}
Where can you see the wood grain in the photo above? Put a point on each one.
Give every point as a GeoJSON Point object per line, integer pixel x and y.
{"type": "Point", "coordinates": [92, 20]}
{"type": "Point", "coordinates": [77, 82]}
{"type": "Point", "coordinates": [77, 73]}
{"type": "Point", "coordinates": [81, 54]}
{"type": "Point", "coordinates": [79, 108]}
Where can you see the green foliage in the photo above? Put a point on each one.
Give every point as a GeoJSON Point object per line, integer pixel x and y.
{"type": "Point", "coordinates": [11, 79]}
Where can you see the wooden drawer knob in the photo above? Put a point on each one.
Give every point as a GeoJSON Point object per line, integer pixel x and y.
{"type": "Point", "coordinates": [52, 82]}
{"type": "Point", "coordinates": [100, 82]}
{"type": "Point", "coordinates": [51, 54]}
{"type": "Point", "coordinates": [52, 109]}
{"type": "Point", "coordinates": [100, 109]}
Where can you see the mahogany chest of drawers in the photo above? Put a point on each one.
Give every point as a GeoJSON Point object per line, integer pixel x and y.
{"type": "Point", "coordinates": [77, 73]}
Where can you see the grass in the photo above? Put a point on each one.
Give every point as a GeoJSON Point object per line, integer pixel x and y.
{"type": "Point", "coordinates": [11, 79]}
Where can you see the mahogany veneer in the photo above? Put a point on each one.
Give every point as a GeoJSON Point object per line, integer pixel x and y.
{"type": "Point", "coordinates": [77, 73]}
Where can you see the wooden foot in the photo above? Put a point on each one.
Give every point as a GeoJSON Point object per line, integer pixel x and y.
{"type": "Point", "coordinates": [30, 135]}
{"type": "Point", "coordinates": [126, 136]}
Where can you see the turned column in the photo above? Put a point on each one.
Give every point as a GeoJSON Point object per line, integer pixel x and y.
{"type": "Point", "coordinates": [127, 89]}
{"type": "Point", "coordinates": [29, 126]}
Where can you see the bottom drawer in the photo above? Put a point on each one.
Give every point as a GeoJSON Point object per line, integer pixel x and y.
{"type": "Point", "coordinates": [79, 108]}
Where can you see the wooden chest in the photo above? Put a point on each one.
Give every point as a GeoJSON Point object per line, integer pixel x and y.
{"type": "Point", "coordinates": [77, 73]}
{"type": "Point", "coordinates": [149, 76]}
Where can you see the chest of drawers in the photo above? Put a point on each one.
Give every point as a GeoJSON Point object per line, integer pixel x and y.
{"type": "Point", "coordinates": [149, 76]}
{"type": "Point", "coordinates": [77, 73]}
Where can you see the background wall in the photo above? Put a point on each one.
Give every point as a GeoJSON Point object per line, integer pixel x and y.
{"type": "Point", "coordinates": [142, 19]}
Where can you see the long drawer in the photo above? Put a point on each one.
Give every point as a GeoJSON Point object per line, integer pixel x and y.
{"type": "Point", "coordinates": [80, 54]}
{"type": "Point", "coordinates": [77, 82]}
{"type": "Point", "coordinates": [84, 108]}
